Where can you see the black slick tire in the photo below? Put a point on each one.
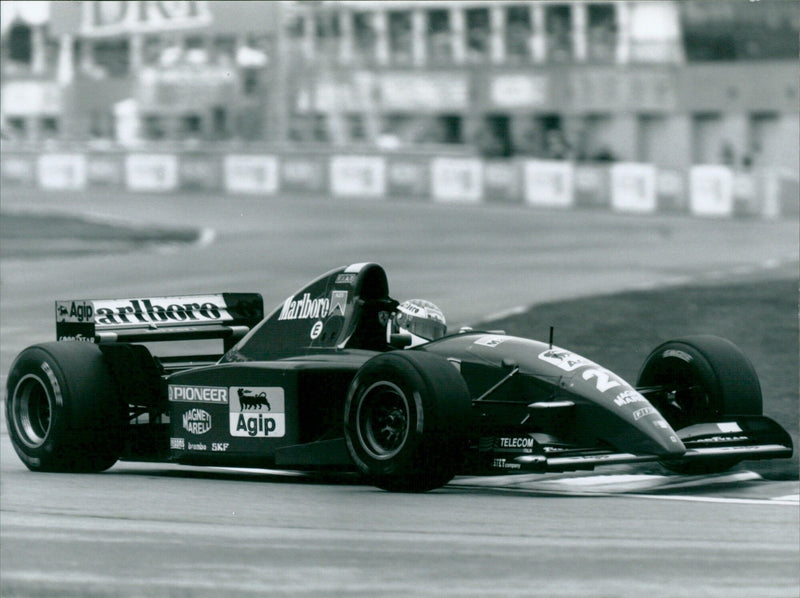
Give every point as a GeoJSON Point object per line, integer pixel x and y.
{"type": "Point", "coordinates": [706, 378]}
{"type": "Point", "coordinates": [407, 416]}
{"type": "Point", "coordinates": [62, 409]}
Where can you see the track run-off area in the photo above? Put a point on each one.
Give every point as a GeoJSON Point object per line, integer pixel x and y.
{"type": "Point", "coordinates": [164, 530]}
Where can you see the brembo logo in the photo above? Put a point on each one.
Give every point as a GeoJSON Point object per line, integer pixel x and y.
{"type": "Point", "coordinates": [305, 308]}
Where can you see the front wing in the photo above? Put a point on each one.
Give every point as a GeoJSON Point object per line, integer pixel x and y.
{"type": "Point", "coordinates": [736, 439]}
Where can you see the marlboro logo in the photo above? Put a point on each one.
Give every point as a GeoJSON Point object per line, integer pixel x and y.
{"type": "Point", "coordinates": [305, 308]}
{"type": "Point", "coordinates": [168, 310]}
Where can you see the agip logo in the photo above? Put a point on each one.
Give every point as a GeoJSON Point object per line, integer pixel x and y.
{"type": "Point", "coordinates": [75, 312]}
{"type": "Point", "coordinates": [257, 412]}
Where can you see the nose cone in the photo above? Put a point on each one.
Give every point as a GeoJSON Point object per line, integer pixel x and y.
{"type": "Point", "coordinates": [624, 417]}
{"type": "Point", "coordinates": [655, 435]}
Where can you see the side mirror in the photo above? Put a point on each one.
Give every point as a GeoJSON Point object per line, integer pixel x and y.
{"type": "Point", "coordinates": [400, 341]}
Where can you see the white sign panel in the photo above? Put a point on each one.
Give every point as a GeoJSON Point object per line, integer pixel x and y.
{"type": "Point", "coordinates": [151, 16]}
{"type": "Point", "coordinates": [358, 176]}
{"type": "Point", "coordinates": [711, 190]}
{"type": "Point", "coordinates": [251, 174]}
{"type": "Point", "coordinates": [151, 172]}
{"type": "Point", "coordinates": [457, 179]}
{"type": "Point", "coordinates": [62, 171]}
{"type": "Point", "coordinates": [31, 98]}
{"type": "Point", "coordinates": [633, 187]}
{"type": "Point", "coordinates": [518, 91]}
{"type": "Point", "coordinates": [549, 183]}
{"type": "Point", "coordinates": [408, 91]}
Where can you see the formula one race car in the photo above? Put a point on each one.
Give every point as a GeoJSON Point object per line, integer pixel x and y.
{"type": "Point", "coordinates": [341, 376]}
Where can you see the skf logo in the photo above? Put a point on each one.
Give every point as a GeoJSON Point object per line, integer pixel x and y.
{"type": "Point", "coordinates": [74, 311]}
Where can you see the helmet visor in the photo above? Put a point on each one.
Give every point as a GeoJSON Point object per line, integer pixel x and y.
{"type": "Point", "coordinates": [426, 328]}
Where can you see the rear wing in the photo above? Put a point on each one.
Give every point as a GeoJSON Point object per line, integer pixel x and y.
{"type": "Point", "coordinates": [226, 316]}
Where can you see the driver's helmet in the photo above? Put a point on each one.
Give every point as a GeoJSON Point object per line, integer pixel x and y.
{"type": "Point", "coordinates": [420, 319]}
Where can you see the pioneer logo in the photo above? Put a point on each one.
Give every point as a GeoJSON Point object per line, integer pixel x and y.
{"type": "Point", "coordinates": [198, 394]}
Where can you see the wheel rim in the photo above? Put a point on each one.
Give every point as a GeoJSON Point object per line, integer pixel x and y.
{"type": "Point", "coordinates": [383, 416]}
{"type": "Point", "coordinates": [32, 411]}
{"type": "Point", "coordinates": [686, 399]}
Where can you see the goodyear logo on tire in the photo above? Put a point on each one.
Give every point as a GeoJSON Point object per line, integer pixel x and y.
{"type": "Point", "coordinates": [257, 412]}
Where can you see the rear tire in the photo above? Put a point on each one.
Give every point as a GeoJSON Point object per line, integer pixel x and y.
{"type": "Point", "coordinates": [62, 409]}
{"type": "Point", "coordinates": [706, 378]}
{"type": "Point", "coordinates": [406, 421]}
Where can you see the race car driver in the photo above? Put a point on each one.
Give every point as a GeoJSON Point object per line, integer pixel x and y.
{"type": "Point", "coordinates": [418, 319]}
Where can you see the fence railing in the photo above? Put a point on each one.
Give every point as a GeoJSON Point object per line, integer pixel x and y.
{"type": "Point", "coordinates": [703, 190]}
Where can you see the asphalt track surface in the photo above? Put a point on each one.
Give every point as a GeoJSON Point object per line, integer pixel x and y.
{"type": "Point", "coordinates": [162, 530]}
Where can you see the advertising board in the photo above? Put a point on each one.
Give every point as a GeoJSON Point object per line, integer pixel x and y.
{"type": "Point", "coordinates": [633, 187]}
{"type": "Point", "coordinates": [457, 180]}
{"type": "Point", "coordinates": [303, 173]}
{"type": "Point", "coordinates": [548, 183]}
{"type": "Point", "coordinates": [711, 190]}
{"type": "Point", "coordinates": [251, 173]}
{"type": "Point", "coordinates": [408, 177]}
{"type": "Point", "coordinates": [358, 176]}
{"type": "Point", "coordinates": [151, 172]}
{"type": "Point", "coordinates": [62, 171]}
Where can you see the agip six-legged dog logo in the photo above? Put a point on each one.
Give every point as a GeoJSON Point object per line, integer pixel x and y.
{"type": "Point", "coordinates": [249, 400]}
{"type": "Point", "coordinates": [257, 411]}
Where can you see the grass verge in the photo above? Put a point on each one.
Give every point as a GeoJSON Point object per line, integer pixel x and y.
{"type": "Point", "coordinates": [30, 235]}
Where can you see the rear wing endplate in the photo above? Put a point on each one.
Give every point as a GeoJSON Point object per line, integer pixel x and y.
{"type": "Point", "coordinates": [226, 316]}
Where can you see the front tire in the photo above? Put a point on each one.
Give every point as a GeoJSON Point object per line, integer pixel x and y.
{"type": "Point", "coordinates": [705, 379]}
{"type": "Point", "coordinates": [406, 421]}
{"type": "Point", "coordinates": [62, 410]}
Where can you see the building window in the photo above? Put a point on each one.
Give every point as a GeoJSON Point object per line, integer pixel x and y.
{"type": "Point", "coordinates": [17, 127]}
{"type": "Point", "coordinates": [219, 123]}
{"type": "Point", "coordinates": [558, 26]}
{"type": "Point", "coordinates": [478, 34]}
{"type": "Point", "coordinates": [48, 126]}
{"type": "Point", "coordinates": [154, 128]}
{"type": "Point", "coordinates": [518, 33]}
{"type": "Point", "coordinates": [101, 125]}
{"type": "Point", "coordinates": [440, 42]}
{"type": "Point", "coordinates": [151, 50]}
{"type": "Point", "coordinates": [190, 126]}
{"type": "Point", "coordinates": [398, 128]}
{"type": "Point", "coordinates": [364, 36]}
{"type": "Point", "coordinates": [356, 129]}
{"type": "Point", "coordinates": [320, 128]}
{"type": "Point", "coordinates": [223, 50]}
{"type": "Point", "coordinates": [112, 56]}
{"type": "Point", "coordinates": [400, 44]}
{"type": "Point", "coordinates": [555, 144]}
{"type": "Point", "coordinates": [196, 52]}
{"type": "Point", "coordinates": [494, 138]}
{"type": "Point", "coordinates": [296, 36]}
{"type": "Point", "coordinates": [740, 31]}
{"type": "Point", "coordinates": [601, 33]}
{"type": "Point", "coordinates": [249, 82]}
{"type": "Point", "coordinates": [20, 47]}
{"type": "Point", "coordinates": [328, 30]}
